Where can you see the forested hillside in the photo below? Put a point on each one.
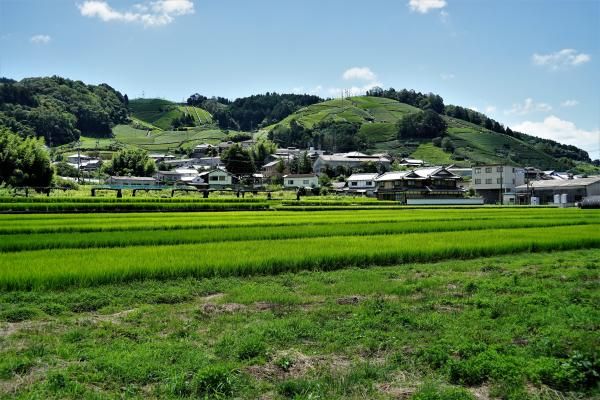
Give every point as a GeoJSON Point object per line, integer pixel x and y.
{"type": "Point", "coordinates": [60, 109]}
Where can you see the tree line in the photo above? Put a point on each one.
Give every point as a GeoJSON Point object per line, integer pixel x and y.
{"type": "Point", "coordinates": [59, 109]}
{"type": "Point", "coordinates": [253, 112]}
{"type": "Point", "coordinates": [434, 102]}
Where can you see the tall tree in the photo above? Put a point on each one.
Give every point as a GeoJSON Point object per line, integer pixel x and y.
{"type": "Point", "coordinates": [131, 162]}
{"type": "Point", "coordinates": [23, 161]}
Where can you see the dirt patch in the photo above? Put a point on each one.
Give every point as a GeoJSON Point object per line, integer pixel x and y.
{"type": "Point", "coordinates": [10, 328]}
{"type": "Point", "coordinates": [350, 300]}
{"type": "Point", "coordinates": [14, 384]}
{"type": "Point", "coordinates": [212, 297]}
{"type": "Point", "coordinates": [112, 318]}
{"type": "Point", "coordinates": [294, 364]}
{"type": "Point", "coordinates": [481, 392]}
{"type": "Point", "coordinates": [400, 386]}
{"type": "Point", "coordinates": [212, 309]}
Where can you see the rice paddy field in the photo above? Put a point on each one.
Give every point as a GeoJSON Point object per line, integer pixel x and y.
{"type": "Point", "coordinates": [359, 300]}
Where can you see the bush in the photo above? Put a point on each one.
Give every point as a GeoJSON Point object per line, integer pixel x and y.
{"type": "Point", "coordinates": [296, 388]}
{"type": "Point", "coordinates": [214, 380]}
{"type": "Point", "coordinates": [19, 314]}
{"type": "Point", "coordinates": [251, 347]}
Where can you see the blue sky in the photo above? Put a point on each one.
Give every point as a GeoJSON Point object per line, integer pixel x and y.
{"type": "Point", "coordinates": [531, 64]}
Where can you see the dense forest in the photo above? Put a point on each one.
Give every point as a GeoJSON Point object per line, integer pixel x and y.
{"type": "Point", "coordinates": [59, 109]}
{"type": "Point", "coordinates": [250, 113]}
{"type": "Point", "coordinates": [434, 102]}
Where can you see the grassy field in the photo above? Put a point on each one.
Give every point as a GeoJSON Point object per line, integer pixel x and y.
{"type": "Point", "coordinates": [422, 304]}
{"type": "Point", "coordinates": [161, 113]}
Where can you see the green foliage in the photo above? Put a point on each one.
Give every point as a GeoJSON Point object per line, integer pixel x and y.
{"type": "Point", "coordinates": [433, 392]}
{"type": "Point", "coordinates": [130, 162]}
{"type": "Point", "coordinates": [217, 380]}
{"type": "Point", "coordinates": [249, 113]}
{"type": "Point", "coordinates": [63, 168]}
{"type": "Point", "coordinates": [238, 160]}
{"type": "Point", "coordinates": [59, 109]}
{"type": "Point", "coordinates": [19, 314]}
{"type": "Point", "coordinates": [425, 124]}
{"type": "Point", "coordinates": [23, 161]}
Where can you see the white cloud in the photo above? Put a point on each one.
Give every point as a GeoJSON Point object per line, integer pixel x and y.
{"type": "Point", "coordinates": [569, 103]}
{"type": "Point", "coordinates": [490, 109]}
{"type": "Point", "coordinates": [562, 131]}
{"type": "Point", "coordinates": [424, 6]}
{"type": "Point", "coordinates": [561, 59]}
{"type": "Point", "coordinates": [359, 73]}
{"type": "Point", "coordinates": [352, 91]}
{"type": "Point", "coordinates": [447, 77]}
{"type": "Point", "coordinates": [40, 39]}
{"type": "Point", "coordinates": [150, 14]}
{"type": "Point", "coordinates": [528, 106]}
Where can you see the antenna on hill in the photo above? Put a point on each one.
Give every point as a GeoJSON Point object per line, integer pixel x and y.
{"type": "Point", "coordinates": [143, 94]}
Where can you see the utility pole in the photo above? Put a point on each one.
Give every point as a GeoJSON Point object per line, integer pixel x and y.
{"type": "Point", "coordinates": [78, 161]}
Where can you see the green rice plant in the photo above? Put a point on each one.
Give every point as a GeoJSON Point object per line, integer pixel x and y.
{"type": "Point", "coordinates": [183, 235]}
{"type": "Point", "coordinates": [88, 267]}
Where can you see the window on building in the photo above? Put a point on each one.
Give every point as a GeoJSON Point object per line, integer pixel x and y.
{"type": "Point", "coordinates": [305, 182]}
{"type": "Point", "coordinates": [498, 169]}
{"type": "Point", "coordinates": [488, 181]}
{"type": "Point", "coordinates": [369, 183]}
{"type": "Point", "coordinates": [514, 170]}
{"type": "Point", "coordinates": [354, 183]}
{"type": "Point", "coordinates": [214, 178]}
{"type": "Point", "coordinates": [488, 170]}
{"type": "Point", "coordinates": [478, 181]}
{"type": "Point", "coordinates": [477, 170]}
{"type": "Point", "coordinates": [290, 182]}
{"type": "Point", "coordinates": [498, 180]}
{"type": "Point", "coordinates": [221, 178]}
{"type": "Point", "coordinates": [513, 181]}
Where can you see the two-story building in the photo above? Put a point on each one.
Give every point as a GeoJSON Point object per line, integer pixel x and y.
{"type": "Point", "coordinates": [362, 183]}
{"type": "Point", "coordinates": [496, 183]}
{"type": "Point", "coordinates": [300, 181]}
{"type": "Point", "coordinates": [420, 183]}
{"type": "Point", "coordinates": [215, 179]}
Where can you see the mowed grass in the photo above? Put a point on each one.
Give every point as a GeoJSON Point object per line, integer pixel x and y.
{"type": "Point", "coordinates": [254, 244]}
{"type": "Point", "coordinates": [519, 326]}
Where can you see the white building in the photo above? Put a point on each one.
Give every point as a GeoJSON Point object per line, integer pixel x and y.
{"type": "Point", "coordinates": [178, 175]}
{"type": "Point", "coordinates": [131, 181]}
{"type": "Point", "coordinates": [497, 183]}
{"type": "Point", "coordinates": [362, 183]}
{"type": "Point", "coordinates": [215, 178]}
{"type": "Point", "coordinates": [349, 160]}
{"type": "Point", "coordinates": [569, 190]}
{"type": "Point", "coordinates": [300, 181]}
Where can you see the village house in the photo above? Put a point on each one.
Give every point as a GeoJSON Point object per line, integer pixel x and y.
{"type": "Point", "coordinates": [207, 163]}
{"type": "Point", "coordinates": [83, 162]}
{"type": "Point", "coordinates": [300, 181]}
{"type": "Point", "coordinates": [352, 160]}
{"type": "Point", "coordinates": [216, 178]}
{"type": "Point", "coordinates": [411, 162]}
{"type": "Point", "coordinates": [434, 182]}
{"type": "Point", "coordinates": [558, 191]}
{"type": "Point", "coordinates": [362, 183]}
{"type": "Point", "coordinates": [496, 183]}
{"type": "Point", "coordinates": [202, 150]}
{"type": "Point", "coordinates": [272, 168]}
{"type": "Point", "coordinates": [184, 175]}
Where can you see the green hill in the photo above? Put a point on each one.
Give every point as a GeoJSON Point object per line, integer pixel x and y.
{"type": "Point", "coordinates": [377, 117]}
{"type": "Point", "coordinates": [162, 113]}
